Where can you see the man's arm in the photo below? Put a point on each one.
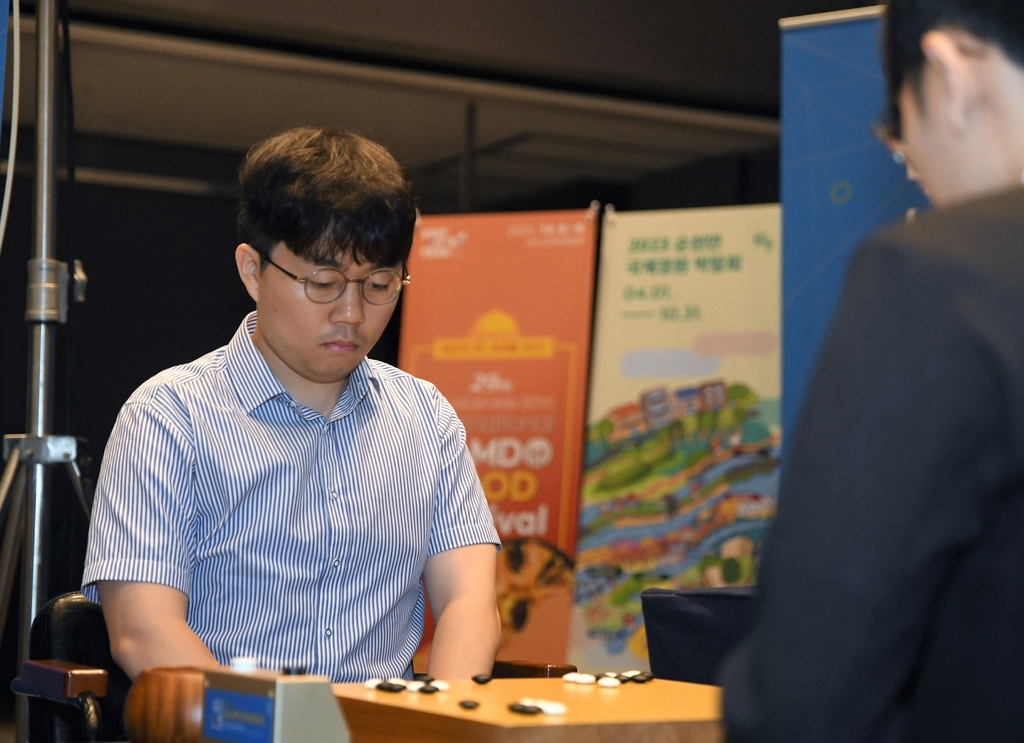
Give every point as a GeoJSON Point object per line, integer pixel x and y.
{"type": "Point", "coordinates": [460, 585]}
{"type": "Point", "coordinates": [147, 626]}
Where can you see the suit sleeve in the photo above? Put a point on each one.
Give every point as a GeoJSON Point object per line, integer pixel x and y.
{"type": "Point", "coordinates": [896, 444]}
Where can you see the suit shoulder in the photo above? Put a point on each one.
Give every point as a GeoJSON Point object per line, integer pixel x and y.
{"type": "Point", "coordinates": [984, 233]}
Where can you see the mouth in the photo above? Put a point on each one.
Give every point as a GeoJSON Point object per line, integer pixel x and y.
{"type": "Point", "coordinates": [340, 345]}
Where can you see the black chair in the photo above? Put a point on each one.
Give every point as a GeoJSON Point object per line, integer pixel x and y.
{"type": "Point", "coordinates": [71, 628]}
{"type": "Point", "coordinates": [690, 632]}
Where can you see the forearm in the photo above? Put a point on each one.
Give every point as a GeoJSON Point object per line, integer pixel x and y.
{"type": "Point", "coordinates": [148, 626]}
{"type": "Point", "coordinates": [466, 639]}
{"type": "Point", "coordinates": [168, 644]}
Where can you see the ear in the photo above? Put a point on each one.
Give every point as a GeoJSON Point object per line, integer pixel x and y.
{"type": "Point", "coordinates": [248, 261]}
{"type": "Point", "coordinates": [951, 58]}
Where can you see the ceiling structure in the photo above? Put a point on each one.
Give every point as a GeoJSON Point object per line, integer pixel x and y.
{"type": "Point", "coordinates": [558, 98]}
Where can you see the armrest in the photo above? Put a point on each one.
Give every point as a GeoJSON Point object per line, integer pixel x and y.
{"type": "Point", "coordinates": [509, 669]}
{"type": "Point", "coordinates": [58, 679]}
{"type": "Point", "coordinates": [66, 683]}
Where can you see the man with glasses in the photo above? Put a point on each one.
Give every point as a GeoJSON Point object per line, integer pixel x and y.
{"type": "Point", "coordinates": [284, 498]}
{"type": "Point", "coordinates": [891, 592]}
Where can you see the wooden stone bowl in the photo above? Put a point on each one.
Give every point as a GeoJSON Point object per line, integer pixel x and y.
{"type": "Point", "coordinates": [165, 705]}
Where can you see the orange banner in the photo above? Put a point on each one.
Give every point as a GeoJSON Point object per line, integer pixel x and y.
{"type": "Point", "coordinates": [498, 316]}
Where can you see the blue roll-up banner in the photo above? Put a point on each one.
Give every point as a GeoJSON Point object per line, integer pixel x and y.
{"type": "Point", "coordinates": [839, 182]}
{"type": "Point", "coordinates": [4, 21]}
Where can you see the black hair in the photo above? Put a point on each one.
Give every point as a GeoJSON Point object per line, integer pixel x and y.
{"type": "Point", "coordinates": [997, 21]}
{"type": "Point", "coordinates": [325, 193]}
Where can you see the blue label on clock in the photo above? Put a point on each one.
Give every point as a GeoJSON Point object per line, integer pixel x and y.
{"type": "Point", "coordinates": [237, 718]}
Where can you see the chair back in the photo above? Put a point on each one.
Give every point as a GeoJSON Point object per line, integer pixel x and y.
{"type": "Point", "coordinates": [690, 632]}
{"type": "Point", "coordinates": [71, 628]}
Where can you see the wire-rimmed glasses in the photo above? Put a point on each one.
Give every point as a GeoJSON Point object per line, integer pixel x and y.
{"type": "Point", "coordinates": [325, 285]}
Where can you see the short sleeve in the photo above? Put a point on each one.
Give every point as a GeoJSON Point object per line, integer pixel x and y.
{"type": "Point", "coordinates": [140, 521]}
{"type": "Point", "coordinates": [461, 516]}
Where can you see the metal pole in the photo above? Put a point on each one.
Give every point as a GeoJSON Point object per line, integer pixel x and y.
{"type": "Point", "coordinates": [466, 164]}
{"type": "Point", "coordinates": [43, 286]}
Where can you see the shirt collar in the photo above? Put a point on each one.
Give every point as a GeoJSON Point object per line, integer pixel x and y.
{"type": "Point", "coordinates": [358, 385]}
{"type": "Point", "coordinates": [255, 383]}
{"type": "Point", "coordinates": [248, 370]}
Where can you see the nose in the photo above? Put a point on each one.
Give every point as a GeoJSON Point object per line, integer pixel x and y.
{"type": "Point", "coordinates": [348, 308]}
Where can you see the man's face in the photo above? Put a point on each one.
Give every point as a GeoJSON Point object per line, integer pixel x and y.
{"type": "Point", "coordinates": [924, 148]}
{"type": "Point", "coordinates": [309, 342]}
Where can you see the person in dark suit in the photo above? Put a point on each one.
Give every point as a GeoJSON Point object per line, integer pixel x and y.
{"type": "Point", "coordinates": [891, 599]}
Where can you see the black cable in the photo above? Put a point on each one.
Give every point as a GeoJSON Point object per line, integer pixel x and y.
{"type": "Point", "coordinates": [69, 127]}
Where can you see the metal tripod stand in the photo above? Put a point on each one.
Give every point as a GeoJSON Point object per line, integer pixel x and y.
{"type": "Point", "coordinates": [25, 484]}
{"type": "Point", "coordinates": [21, 452]}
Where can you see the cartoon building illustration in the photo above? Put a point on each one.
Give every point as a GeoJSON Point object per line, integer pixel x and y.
{"type": "Point", "coordinates": [713, 395]}
{"type": "Point", "coordinates": [686, 401]}
{"type": "Point", "coordinates": [657, 411]}
{"type": "Point", "coordinates": [627, 421]}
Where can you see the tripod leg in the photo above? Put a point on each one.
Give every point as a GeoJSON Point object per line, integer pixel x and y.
{"type": "Point", "coordinates": [75, 475]}
{"type": "Point", "coordinates": [8, 477]}
{"type": "Point", "coordinates": [11, 547]}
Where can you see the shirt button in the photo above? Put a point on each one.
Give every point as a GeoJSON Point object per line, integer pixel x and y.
{"type": "Point", "coordinates": [328, 632]}
{"type": "Point", "coordinates": [337, 563]}
{"type": "Point", "coordinates": [334, 493]}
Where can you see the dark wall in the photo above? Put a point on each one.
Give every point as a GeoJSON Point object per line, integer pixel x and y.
{"type": "Point", "coordinates": [722, 54]}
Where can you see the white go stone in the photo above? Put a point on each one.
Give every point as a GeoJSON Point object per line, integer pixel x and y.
{"type": "Point", "coordinates": [571, 677]}
{"type": "Point", "coordinates": [414, 686]}
{"type": "Point", "coordinates": [609, 674]}
{"type": "Point", "coordinates": [609, 683]}
{"type": "Point", "coordinates": [372, 683]}
{"type": "Point", "coordinates": [244, 663]}
{"type": "Point", "coordinates": [631, 674]}
{"type": "Point", "coordinates": [551, 708]}
{"type": "Point", "coordinates": [398, 682]}
{"type": "Point", "coordinates": [440, 685]}
{"type": "Point", "coordinates": [585, 678]}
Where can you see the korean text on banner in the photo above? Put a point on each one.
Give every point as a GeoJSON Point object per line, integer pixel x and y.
{"type": "Point", "coordinates": [683, 437]}
{"type": "Point", "coordinates": [498, 317]}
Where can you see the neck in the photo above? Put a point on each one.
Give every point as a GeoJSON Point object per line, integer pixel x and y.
{"type": "Point", "coordinates": [318, 396]}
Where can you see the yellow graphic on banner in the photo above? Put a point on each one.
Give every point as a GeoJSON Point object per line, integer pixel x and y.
{"type": "Point", "coordinates": [494, 335]}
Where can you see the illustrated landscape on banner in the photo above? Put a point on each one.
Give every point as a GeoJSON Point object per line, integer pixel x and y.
{"type": "Point", "coordinates": [498, 317]}
{"type": "Point", "coordinates": [683, 441]}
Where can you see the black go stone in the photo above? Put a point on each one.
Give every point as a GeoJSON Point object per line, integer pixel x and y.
{"type": "Point", "coordinates": [622, 678]}
{"type": "Point", "coordinates": [388, 686]}
{"type": "Point", "coordinates": [524, 709]}
{"type": "Point", "coordinates": [643, 678]}
{"type": "Point", "coordinates": [469, 704]}
{"type": "Point", "coordinates": [428, 689]}
{"type": "Point", "coordinates": [482, 678]}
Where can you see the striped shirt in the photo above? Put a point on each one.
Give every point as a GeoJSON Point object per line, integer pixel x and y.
{"type": "Point", "coordinates": [299, 540]}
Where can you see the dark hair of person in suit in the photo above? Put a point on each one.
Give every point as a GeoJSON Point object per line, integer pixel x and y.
{"type": "Point", "coordinates": [325, 193]}
{"type": "Point", "coordinates": [997, 21]}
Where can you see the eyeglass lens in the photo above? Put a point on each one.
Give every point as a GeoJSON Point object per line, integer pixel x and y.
{"type": "Point", "coordinates": [327, 284]}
